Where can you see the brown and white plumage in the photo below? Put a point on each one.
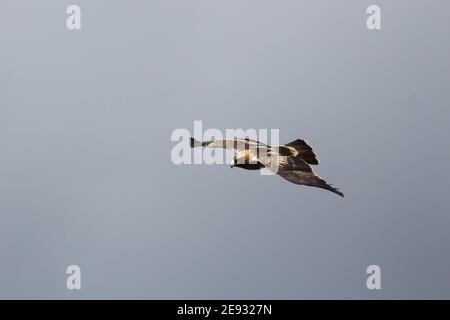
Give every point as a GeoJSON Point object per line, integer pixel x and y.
{"type": "Point", "coordinates": [291, 161]}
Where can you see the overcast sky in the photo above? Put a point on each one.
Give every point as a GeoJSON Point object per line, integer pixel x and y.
{"type": "Point", "coordinates": [86, 176]}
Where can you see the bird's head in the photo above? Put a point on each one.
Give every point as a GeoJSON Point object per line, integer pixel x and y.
{"type": "Point", "coordinates": [238, 161]}
{"type": "Point", "coordinates": [243, 161]}
{"type": "Point", "coordinates": [233, 163]}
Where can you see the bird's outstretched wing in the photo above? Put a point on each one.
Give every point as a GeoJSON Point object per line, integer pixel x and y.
{"type": "Point", "coordinates": [235, 144]}
{"type": "Point", "coordinates": [296, 170]}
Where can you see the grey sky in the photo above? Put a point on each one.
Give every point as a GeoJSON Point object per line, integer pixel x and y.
{"type": "Point", "coordinates": [85, 171]}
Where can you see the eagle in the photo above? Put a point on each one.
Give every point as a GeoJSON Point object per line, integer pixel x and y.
{"type": "Point", "coordinates": [291, 161]}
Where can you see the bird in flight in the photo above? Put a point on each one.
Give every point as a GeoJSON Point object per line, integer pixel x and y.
{"type": "Point", "coordinates": [291, 161]}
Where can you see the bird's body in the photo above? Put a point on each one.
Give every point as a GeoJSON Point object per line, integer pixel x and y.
{"type": "Point", "coordinates": [291, 161]}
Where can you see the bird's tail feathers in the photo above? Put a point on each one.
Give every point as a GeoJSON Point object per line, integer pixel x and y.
{"type": "Point", "coordinates": [304, 151]}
